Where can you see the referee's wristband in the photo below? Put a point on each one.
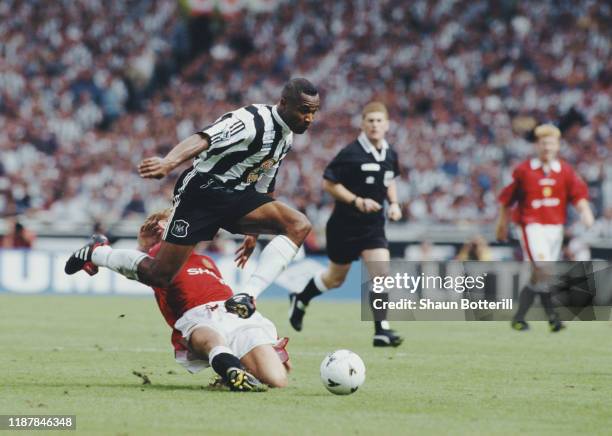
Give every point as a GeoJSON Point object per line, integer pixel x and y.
{"type": "Point", "coordinates": [354, 202]}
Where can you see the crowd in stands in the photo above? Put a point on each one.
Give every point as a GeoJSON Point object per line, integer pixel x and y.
{"type": "Point", "coordinates": [90, 87]}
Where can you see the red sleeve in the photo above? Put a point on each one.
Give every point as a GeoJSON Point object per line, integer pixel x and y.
{"type": "Point", "coordinates": [577, 189]}
{"type": "Point", "coordinates": [510, 193]}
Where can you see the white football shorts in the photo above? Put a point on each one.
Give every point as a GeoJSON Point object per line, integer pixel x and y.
{"type": "Point", "coordinates": [240, 335]}
{"type": "Point", "coordinates": [541, 242]}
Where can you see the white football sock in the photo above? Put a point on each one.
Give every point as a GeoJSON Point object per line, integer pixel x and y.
{"type": "Point", "coordinates": [319, 283]}
{"type": "Point", "coordinates": [215, 351]}
{"type": "Point", "coordinates": [125, 262]}
{"type": "Point", "coordinates": [273, 260]}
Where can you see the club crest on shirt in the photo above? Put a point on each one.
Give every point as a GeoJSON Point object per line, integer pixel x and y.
{"type": "Point", "coordinates": [257, 172]}
{"type": "Point", "coordinates": [252, 177]}
{"type": "Point", "coordinates": [267, 164]}
{"type": "Point", "coordinates": [179, 228]}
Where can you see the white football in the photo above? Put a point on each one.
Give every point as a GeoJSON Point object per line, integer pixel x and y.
{"type": "Point", "coordinates": [342, 372]}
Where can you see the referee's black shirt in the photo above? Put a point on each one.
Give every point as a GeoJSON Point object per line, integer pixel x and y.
{"type": "Point", "coordinates": [367, 173]}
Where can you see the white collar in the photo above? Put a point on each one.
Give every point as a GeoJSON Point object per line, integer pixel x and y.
{"type": "Point", "coordinates": [536, 163]}
{"type": "Point", "coordinates": [379, 155]}
{"type": "Point", "coordinates": [279, 120]}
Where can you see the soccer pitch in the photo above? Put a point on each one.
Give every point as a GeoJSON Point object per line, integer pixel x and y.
{"type": "Point", "coordinates": [76, 355]}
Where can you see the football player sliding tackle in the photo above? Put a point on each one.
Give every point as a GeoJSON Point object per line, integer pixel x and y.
{"type": "Point", "coordinates": [229, 186]}
{"type": "Point", "coordinates": [204, 333]}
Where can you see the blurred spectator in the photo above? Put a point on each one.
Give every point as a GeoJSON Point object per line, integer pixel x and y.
{"type": "Point", "coordinates": [90, 87]}
{"type": "Point", "coordinates": [426, 251]}
{"type": "Point", "coordinates": [136, 207]}
{"type": "Point", "coordinates": [575, 247]}
{"type": "Point", "coordinates": [475, 249]}
{"type": "Point", "coordinates": [99, 228]}
{"type": "Point", "coordinates": [602, 228]}
{"type": "Point", "coordinates": [18, 236]}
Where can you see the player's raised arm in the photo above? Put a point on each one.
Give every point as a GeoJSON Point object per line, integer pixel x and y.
{"type": "Point", "coordinates": [158, 168]}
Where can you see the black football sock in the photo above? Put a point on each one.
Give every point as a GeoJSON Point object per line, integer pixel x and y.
{"type": "Point", "coordinates": [380, 315]}
{"type": "Point", "coordinates": [222, 361]}
{"type": "Point", "coordinates": [546, 300]}
{"type": "Point", "coordinates": [309, 292]}
{"type": "Point", "coordinates": [525, 301]}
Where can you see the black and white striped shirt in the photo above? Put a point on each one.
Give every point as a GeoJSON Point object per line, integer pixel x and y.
{"type": "Point", "coordinates": [246, 147]}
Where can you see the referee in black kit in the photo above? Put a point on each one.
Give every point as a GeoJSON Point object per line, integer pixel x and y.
{"type": "Point", "coordinates": [360, 178]}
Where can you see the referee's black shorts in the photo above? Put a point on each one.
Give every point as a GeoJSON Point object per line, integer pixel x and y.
{"type": "Point", "coordinates": [346, 240]}
{"type": "Point", "coordinates": [202, 205]}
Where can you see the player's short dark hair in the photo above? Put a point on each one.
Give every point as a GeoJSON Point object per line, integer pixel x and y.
{"type": "Point", "coordinates": [294, 88]}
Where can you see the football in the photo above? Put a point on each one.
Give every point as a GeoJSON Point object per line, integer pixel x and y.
{"type": "Point", "coordinates": [342, 372]}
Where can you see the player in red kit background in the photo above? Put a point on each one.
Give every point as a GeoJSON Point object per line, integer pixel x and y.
{"type": "Point", "coordinates": [204, 333]}
{"type": "Point", "coordinates": [537, 198]}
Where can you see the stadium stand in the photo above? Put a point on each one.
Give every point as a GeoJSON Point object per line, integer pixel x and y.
{"type": "Point", "coordinates": [89, 87]}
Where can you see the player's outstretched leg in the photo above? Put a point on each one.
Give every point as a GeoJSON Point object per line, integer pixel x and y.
{"type": "Point", "coordinates": [97, 252]}
{"type": "Point", "coordinates": [155, 271]}
{"type": "Point", "coordinates": [206, 341]}
{"type": "Point", "coordinates": [81, 259]}
{"type": "Point", "coordinates": [267, 363]}
{"type": "Point", "coordinates": [239, 380]}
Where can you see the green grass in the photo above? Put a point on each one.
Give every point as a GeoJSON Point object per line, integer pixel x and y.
{"type": "Point", "coordinates": [75, 355]}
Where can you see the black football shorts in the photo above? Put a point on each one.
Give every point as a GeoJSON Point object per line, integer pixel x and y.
{"type": "Point", "coordinates": [347, 239]}
{"type": "Point", "coordinates": [202, 205]}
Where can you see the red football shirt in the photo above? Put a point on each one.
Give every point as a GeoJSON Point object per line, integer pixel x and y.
{"type": "Point", "coordinates": [198, 282]}
{"type": "Point", "coordinates": [542, 197]}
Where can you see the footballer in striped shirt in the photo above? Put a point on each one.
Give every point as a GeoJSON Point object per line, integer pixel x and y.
{"type": "Point", "coordinates": [229, 186]}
